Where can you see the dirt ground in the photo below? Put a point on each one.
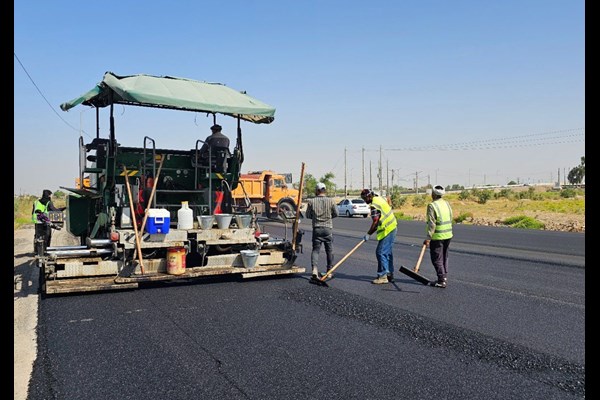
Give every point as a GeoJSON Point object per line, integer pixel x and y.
{"type": "Point", "coordinates": [26, 299]}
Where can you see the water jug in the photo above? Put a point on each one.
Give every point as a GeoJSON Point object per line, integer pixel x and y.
{"type": "Point", "coordinates": [185, 217]}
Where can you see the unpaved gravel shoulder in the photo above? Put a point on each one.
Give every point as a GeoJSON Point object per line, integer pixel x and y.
{"type": "Point", "coordinates": [26, 298]}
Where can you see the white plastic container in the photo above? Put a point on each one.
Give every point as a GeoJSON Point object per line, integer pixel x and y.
{"type": "Point", "coordinates": [185, 217]}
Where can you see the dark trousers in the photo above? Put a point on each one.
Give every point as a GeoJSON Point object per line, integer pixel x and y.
{"type": "Point", "coordinates": [42, 231]}
{"type": "Point", "coordinates": [322, 235]}
{"type": "Point", "coordinates": [438, 250]}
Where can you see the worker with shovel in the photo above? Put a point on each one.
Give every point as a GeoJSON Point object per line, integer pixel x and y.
{"type": "Point", "coordinates": [384, 222]}
{"type": "Point", "coordinates": [439, 234]}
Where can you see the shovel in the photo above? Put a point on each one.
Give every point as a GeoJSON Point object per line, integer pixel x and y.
{"type": "Point", "coordinates": [321, 281]}
{"type": "Point", "coordinates": [413, 273]}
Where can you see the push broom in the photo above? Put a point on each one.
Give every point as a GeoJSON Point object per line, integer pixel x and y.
{"type": "Point", "coordinates": [413, 273]}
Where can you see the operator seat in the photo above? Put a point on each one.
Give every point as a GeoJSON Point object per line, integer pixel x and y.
{"type": "Point", "coordinates": [220, 159]}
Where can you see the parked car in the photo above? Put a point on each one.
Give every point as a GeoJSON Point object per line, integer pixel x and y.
{"type": "Point", "coordinates": [352, 207]}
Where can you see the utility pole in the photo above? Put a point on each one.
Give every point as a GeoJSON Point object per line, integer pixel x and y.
{"type": "Point", "coordinates": [363, 167]}
{"type": "Point", "coordinates": [387, 177]}
{"type": "Point", "coordinates": [380, 167]}
{"type": "Point", "coordinates": [417, 181]}
{"type": "Point", "coordinates": [370, 176]}
{"type": "Point", "coordinates": [345, 167]}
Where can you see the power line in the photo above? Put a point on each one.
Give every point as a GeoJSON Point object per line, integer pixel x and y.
{"type": "Point", "coordinates": [44, 97]}
{"type": "Point", "coordinates": [514, 141]}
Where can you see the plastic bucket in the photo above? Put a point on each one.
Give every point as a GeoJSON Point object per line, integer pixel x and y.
{"type": "Point", "coordinates": [243, 220]}
{"type": "Point", "coordinates": [175, 260]}
{"type": "Point", "coordinates": [249, 258]}
{"type": "Point", "coordinates": [223, 220]}
{"type": "Point", "coordinates": [206, 221]}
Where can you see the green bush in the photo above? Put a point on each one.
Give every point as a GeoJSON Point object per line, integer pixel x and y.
{"type": "Point", "coordinates": [568, 193]}
{"type": "Point", "coordinates": [523, 222]}
{"type": "Point", "coordinates": [419, 200]}
{"type": "Point", "coordinates": [462, 217]}
{"type": "Point", "coordinates": [464, 195]}
{"type": "Point", "coordinates": [484, 195]}
{"type": "Point", "coordinates": [503, 193]}
{"type": "Point", "coordinates": [400, 216]}
{"type": "Point", "coordinates": [398, 200]}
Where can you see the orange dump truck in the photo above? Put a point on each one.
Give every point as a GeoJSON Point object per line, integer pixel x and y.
{"type": "Point", "coordinates": [267, 192]}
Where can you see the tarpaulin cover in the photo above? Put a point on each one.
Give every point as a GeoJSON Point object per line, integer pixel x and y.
{"type": "Point", "coordinates": [174, 93]}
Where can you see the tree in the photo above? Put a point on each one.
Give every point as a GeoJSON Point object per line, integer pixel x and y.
{"type": "Point", "coordinates": [577, 174]}
{"type": "Point", "coordinates": [310, 183]}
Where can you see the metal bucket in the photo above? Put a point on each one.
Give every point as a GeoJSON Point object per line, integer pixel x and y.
{"type": "Point", "coordinates": [206, 221]}
{"type": "Point", "coordinates": [249, 258]}
{"type": "Point", "coordinates": [243, 220]}
{"type": "Point", "coordinates": [223, 220]}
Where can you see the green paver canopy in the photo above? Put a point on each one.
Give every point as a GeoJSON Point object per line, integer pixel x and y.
{"type": "Point", "coordinates": [174, 93]}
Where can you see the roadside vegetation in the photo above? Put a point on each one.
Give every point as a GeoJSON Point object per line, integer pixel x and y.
{"type": "Point", "coordinates": [23, 207]}
{"type": "Point", "coordinates": [525, 207]}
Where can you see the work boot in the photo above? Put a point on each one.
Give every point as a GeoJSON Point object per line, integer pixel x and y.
{"type": "Point", "coordinates": [315, 273]}
{"type": "Point", "coordinates": [380, 280]}
{"type": "Point", "coordinates": [441, 283]}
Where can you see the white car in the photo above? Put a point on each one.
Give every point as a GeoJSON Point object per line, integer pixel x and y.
{"type": "Point", "coordinates": [352, 207]}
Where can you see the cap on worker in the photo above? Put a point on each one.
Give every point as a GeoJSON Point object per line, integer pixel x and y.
{"type": "Point", "coordinates": [215, 128]}
{"type": "Point", "coordinates": [46, 193]}
{"type": "Point", "coordinates": [320, 186]}
{"type": "Point", "coordinates": [438, 190]}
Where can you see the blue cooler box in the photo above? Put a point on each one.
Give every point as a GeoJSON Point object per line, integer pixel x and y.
{"type": "Point", "coordinates": [159, 220]}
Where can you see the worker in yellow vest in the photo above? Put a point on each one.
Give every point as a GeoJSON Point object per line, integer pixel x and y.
{"type": "Point", "coordinates": [384, 222]}
{"type": "Point", "coordinates": [40, 217]}
{"type": "Point", "coordinates": [439, 234]}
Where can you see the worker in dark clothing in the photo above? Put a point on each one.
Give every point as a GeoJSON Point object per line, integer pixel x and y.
{"type": "Point", "coordinates": [321, 210]}
{"type": "Point", "coordinates": [218, 144]}
{"type": "Point", "coordinates": [41, 219]}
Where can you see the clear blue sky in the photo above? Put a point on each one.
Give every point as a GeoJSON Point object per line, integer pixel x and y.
{"type": "Point", "coordinates": [452, 92]}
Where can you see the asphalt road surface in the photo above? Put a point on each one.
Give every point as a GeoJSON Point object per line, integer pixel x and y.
{"type": "Point", "coordinates": [510, 325]}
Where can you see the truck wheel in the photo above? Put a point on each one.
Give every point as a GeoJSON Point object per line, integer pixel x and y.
{"type": "Point", "coordinates": [286, 208]}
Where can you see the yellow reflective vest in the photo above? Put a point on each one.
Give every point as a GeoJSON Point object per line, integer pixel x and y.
{"type": "Point", "coordinates": [443, 220]}
{"type": "Point", "coordinates": [387, 222]}
{"type": "Point", "coordinates": [39, 206]}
